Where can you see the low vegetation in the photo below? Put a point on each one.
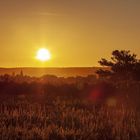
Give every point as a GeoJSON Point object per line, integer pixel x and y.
{"type": "Point", "coordinates": [59, 119]}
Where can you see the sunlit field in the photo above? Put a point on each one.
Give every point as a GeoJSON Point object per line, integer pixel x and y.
{"type": "Point", "coordinates": [59, 119]}
{"type": "Point", "coordinates": [69, 69]}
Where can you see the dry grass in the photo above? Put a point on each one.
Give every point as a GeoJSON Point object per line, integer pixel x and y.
{"type": "Point", "coordinates": [67, 120]}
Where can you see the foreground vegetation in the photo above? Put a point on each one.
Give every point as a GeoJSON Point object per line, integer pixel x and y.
{"type": "Point", "coordinates": [60, 119]}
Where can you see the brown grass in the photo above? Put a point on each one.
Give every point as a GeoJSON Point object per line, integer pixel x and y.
{"type": "Point", "coordinates": [67, 120]}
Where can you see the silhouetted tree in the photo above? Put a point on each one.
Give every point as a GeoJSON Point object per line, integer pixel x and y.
{"type": "Point", "coordinates": [123, 65]}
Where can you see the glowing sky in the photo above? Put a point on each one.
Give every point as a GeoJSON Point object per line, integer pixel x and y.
{"type": "Point", "coordinates": [77, 32]}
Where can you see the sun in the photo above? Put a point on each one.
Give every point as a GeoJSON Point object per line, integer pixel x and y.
{"type": "Point", "coordinates": [43, 54]}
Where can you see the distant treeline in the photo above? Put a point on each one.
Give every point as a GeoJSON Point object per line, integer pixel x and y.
{"type": "Point", "coordinates": [21, 84]}
{"type": "Point", "coordinates": [49, 86]}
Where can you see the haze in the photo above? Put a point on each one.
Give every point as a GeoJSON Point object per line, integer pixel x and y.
{"type": "Point", "coordinates": [77, 32]}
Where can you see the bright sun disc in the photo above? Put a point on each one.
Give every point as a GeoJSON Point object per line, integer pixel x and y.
{"type": "Point", "coordinates": [43, 55]}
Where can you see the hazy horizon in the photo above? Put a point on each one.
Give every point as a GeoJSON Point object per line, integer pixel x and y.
{"type": "Point", "coordinates": [51, 67]}
{"type": "Point", "coordinates": [59, 71]}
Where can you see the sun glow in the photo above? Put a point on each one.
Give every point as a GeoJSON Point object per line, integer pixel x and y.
{"type": "Point", "coordinates": [43, 54]}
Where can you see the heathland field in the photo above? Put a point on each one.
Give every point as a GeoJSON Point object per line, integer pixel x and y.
{"type": "Point", "coordinates": [62, 119]}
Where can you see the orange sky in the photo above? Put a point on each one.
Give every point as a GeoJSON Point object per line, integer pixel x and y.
{"type": "Point", "coordinates": [77, 32]}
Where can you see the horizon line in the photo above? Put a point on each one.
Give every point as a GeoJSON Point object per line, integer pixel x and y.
{"type": "Point", "coordinates": [51, 67]}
